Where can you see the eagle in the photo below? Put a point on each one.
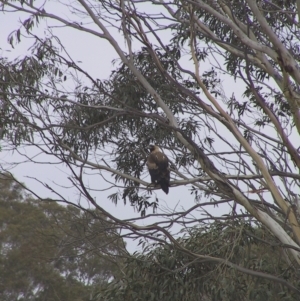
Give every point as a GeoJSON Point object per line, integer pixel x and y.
{"type": "Point", "coordinates": [158, 166]}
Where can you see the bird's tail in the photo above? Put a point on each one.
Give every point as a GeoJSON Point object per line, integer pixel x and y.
{"type": "Point", "coordinates": [164, 184]}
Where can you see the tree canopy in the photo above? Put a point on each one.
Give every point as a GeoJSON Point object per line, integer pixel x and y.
{"type": "Point", "coordinates": [215, 84]}
{"type": "Point", "coordinates": [52, 252]}
{"type": "Point", "coordinates": [166, 273]}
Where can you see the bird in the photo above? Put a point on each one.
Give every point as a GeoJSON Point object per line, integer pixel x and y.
{"type": "Point", "coordinates": [158, 166]}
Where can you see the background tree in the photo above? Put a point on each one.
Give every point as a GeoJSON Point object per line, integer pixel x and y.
{"type": "Point", "coordinates": [166, 273]}
{"type": "Point", "coordinates": [163, 91]}
{"type": "Point", "coordinates": [52, 252]}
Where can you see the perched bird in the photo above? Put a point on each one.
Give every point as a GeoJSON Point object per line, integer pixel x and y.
{"type": "Point", "coordinates": [158, 165]}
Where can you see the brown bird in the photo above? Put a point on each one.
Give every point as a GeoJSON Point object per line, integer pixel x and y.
{"type": "Point", "coordinates": [158, 165]}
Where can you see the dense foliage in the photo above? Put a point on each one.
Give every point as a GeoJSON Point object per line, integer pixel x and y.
{"type": "Point", "coordinates": [166, 273]}
{"type": "Point", "coordinates": [52, 252]}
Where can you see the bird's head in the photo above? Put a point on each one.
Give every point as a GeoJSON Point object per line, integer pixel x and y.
{"type": "Point", "coordinates": [153, 147]}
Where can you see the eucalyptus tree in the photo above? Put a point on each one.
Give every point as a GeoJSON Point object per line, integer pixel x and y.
{"type": "Point", "coordinates": [214, 83]}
